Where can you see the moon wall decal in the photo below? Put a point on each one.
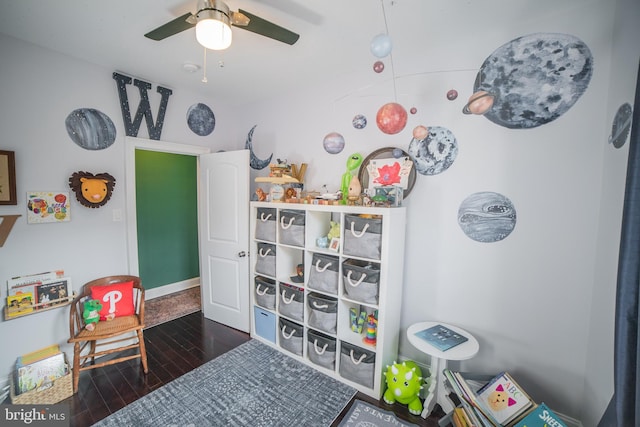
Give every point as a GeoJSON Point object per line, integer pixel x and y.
{"type": "Point", "coordinates": [254, 161]}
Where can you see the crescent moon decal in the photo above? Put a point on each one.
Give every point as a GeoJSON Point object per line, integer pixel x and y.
{"type": "Point", "coordinates": [255, 162]}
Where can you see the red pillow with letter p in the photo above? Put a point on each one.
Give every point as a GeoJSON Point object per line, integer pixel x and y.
{"type": "Point", "coordinates": [116, 299]}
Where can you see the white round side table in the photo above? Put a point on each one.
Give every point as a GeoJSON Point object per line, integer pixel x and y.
{"type": "Point", "coordinates": [437, 392]}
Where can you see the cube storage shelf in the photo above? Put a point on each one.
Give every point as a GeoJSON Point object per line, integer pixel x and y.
{"type": "Point", "coordinates": [309, 317]}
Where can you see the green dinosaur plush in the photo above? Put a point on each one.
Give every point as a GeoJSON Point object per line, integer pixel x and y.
{"type": "Point", "coordinates": [91, 313]}
{"type": "Point", "coordinates": [334, 231]}
{"type": "Point", "coordinates": [404, 382]}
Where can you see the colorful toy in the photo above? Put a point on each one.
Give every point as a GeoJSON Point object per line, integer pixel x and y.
{"type": "Point", "coordinates": [372, 326]}
{"type": "Point", "coordinates": [354, 162]}
{"type": "Point", "coordinates": [404, 382]}
{"type": "Point", "coordinates": [91, 313]}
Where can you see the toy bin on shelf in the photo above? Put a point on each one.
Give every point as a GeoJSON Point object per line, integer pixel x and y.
{"type": "Point", "coordinates": [290, 336]}
{"type": "Point", "coordinates": [291, 227]}
{"type": "Point", "coordinates": [266, 224]}
{"type": "Point", "coordinates": [266, 259]}
{"type": "Point", "coordinates": [323, 312]}
{"type": "Point", "coordinates": [321, 349]}
{"type": "Point", "coordinates": [362, 236]}
{"type": "Point", "coordinates": [357, 364]}
{"type": "Point", "coordinates": [323, 273]}
{"type": "Point", "coordinates": [265, 293]}
{"type": "Point", "coordinates": [265, 324]}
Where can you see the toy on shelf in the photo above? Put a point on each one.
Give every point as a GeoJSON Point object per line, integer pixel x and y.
{"type": "Point", "coordinates": [353, 163]}
{"type": "Point", "coordinates": [404, 382]}
{"type": "Point", "coordinates": [91, 313]}
{"type": "Point", "coordinates": [372, 326]}
{"type": "Point", "coordinates": [262, 196]}
{"type": "Point", "coordinates": [353, 196]}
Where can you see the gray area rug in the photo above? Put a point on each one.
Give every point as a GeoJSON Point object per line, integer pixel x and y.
{"type": "Point", "coordinates": [170, 307]}
{"type": "Point", "coordinates": [251, 385]}
{"type": "Point", "coordinates": [362, 414]}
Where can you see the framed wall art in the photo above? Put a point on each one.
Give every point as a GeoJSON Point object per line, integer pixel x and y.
{"type": "Point", "coordinates": [8, 178]}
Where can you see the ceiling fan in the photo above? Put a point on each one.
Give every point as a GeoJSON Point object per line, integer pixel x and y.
{"type": "Point", "coordinates": [213, 22]}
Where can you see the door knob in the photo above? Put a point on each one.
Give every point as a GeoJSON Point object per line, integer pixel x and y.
{"type": "Point", "coordinates": [242, 254]}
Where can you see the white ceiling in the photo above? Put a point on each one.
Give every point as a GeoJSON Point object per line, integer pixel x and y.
{"type": "Point", "coordinates": [334, 39]}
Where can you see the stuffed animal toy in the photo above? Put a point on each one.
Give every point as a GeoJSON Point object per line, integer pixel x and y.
{"type": "Point", "coordinates": [334, 231]}
{"type": "Point", "coordinates": [404, 382]}
{"type": "Point", "coordinates": [91, 313]}
{"type": "Point", "coordinates": [353, 163]}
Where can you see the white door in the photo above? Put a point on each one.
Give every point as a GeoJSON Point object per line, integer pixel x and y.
{"type": "Point", "coordinates": [224, 237]}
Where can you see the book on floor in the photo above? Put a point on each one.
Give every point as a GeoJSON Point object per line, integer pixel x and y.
{"type": "Point", "coordinates": [441, 337]}
{"type": "Point", "coordinates": [541, 416]}
{"type": "Point", "coordinates": [504, 398]}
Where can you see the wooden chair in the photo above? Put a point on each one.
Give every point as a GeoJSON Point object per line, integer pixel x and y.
{"type": "Point", "coordinates": [106, 332]}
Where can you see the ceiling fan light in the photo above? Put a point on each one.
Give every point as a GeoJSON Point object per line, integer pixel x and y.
{"type": "Point", "coordinates": [214, 32]}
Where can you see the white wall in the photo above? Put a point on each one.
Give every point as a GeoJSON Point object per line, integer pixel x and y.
{"type": "Point", "coordinates": [39, 89]}
{"type": "Point", "coordinates": [529, 299]}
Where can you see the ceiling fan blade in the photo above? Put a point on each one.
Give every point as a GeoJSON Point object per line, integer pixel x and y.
{"type": "Point", "coordinates": [170, 28]}
{"type": "Point", "coordinates": [269, 29]}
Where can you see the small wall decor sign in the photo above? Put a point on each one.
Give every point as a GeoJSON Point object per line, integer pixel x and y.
{"type": "Point", "coordinates": [48, 206]}
{"type": "Point", "coordinates": [8, 178]}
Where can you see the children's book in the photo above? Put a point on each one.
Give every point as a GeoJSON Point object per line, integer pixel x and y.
{"type": "Point", "coordinates": [542, 416]}
{"type": "Point", "coordinates": [504, 398]}
{"type": "Point", "coordinates": [441, 337]}
{"type": "Point", "coordinates": [19, 304]}
{"type": "Point", "coordinates": [41, 373]}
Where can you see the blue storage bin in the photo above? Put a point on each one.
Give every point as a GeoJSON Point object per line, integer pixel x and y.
{"type": "Point", "coordinates": [265, 324]}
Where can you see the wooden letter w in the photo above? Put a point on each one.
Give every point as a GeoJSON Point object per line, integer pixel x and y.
{"type": "Point", "coordinates": [144, 109]}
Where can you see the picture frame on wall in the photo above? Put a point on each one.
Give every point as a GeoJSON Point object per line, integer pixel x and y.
{"type": "Point", "coordinates": [8, 178]}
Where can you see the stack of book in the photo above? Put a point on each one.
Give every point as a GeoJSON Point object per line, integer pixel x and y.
{"type": "Point", "coordinates": [33, 292]}
{"type": "Point", "coordinates": [500, 402]}
{"type": "Point", "coordinates": [38, 370]}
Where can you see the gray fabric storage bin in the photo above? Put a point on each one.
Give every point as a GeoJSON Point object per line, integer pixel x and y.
{"type": "Point", "coordinates": [323, 274]}
{"type": "Point", "coordinates": [362, 236]}
{"type": "Point", "coordinates": [265, 292]}
{"type": "Point", "coordinates": [266, 259]}
{"type": "Point", "coordinates": [323, 312]}
{"type": "Point", "coordinates": [290, 335]}
{"type": "Point", "coordinates": [291, 302]}
{"type": "Point", "coordinates": [291, 226]}
{"type": "Point", "coordinates": [361, 280]}
{"type": "Point", "coordinates": [357, 364]}
{"type": "Point", "coordinates": [266, 224]}
{"type": "Point", "coordinates": [321, 349]}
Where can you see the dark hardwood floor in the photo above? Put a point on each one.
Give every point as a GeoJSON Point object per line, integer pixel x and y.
{"type": "Point", "coordinates": [174, 348]}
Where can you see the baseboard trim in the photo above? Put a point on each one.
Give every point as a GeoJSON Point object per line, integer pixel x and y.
{"type": "Point", "coordinates": [171, 288]}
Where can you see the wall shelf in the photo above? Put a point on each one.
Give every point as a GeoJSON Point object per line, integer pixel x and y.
{"type": "Point", "coordinates": [40, 307]}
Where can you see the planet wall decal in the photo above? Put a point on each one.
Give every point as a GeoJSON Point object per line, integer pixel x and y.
{"type": "Point", "coordinates": [254, 161]}
{"type": "Point", "coordinates": [621, 125]}
{"type": "Point", "coordinates": [487, 217]}
{"type": "Point", "coordinates": [391, 118]}
{"type": "Point", "coordinates": [201, 119]}
{"type": "Point", "coordinates": [90, 129]}
{"type": "Point", "coordinates": [378, 66]}
{"type": "Point", "coordinates": [535, 79]}
{"type": "Point", "coordinates": [436, 152]}
{"type": "Point", "coordinates": [333, 143]}
{"type": "Point", "coordinates": [359, 121]}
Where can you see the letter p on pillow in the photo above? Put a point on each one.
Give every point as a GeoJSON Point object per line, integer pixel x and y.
{"type": "Point", "coordinates": [116, 299]}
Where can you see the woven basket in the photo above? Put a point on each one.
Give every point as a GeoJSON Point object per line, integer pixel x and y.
{"type": "Point", "coordinates": [60, 390]}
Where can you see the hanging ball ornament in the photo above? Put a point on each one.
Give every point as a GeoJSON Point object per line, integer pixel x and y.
{"type": "Point", "coordinates": [413, 110]}
{"type": "Point", "coordinates": [420, 132]}
{"type": "Point", "coordinates": [378, 66]}
{"type": "Point", "coordinates": [397, 153]}
{"type": "Point", "coordinates": [452, 94]}
{"type": "Point", "coordinates": [381, 45]}
{"type": "Point", "coordinates": [391, 118]}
